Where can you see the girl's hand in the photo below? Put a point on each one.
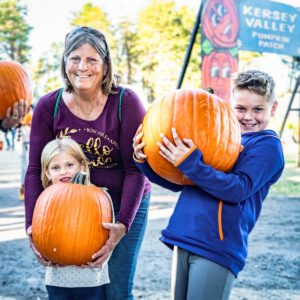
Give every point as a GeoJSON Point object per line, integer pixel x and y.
{"type": "Point", "coordinates": [174, 153]}
{"type": "Point", "coordinates": [18, 114]}
{"type": "Point", "coordinates": [138, 145]}
{"type": "Point", "coordinates": [41, 259]}
{"type": "Point", "coordinates": [116, 232]}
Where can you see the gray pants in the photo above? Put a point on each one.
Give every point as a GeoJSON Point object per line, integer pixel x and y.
{"type": "Point", "coordinates": [197, 278]}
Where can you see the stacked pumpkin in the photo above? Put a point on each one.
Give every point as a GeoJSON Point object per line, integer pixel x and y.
{"type": "Point", "coordinates": [14, 85]}
{"type": "Point", "coordinates": [197, 115]}
{"type": "Point", "coordinates": [67, 222]}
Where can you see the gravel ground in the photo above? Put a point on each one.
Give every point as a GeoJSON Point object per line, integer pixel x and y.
{"type": "Point", "coordinates": [272, 270]}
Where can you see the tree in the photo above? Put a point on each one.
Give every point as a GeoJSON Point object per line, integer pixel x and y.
{"type": "Point", "coordinates": [14, 31]}
{"type": "Point", "coordinates": [46, 72]}
{"type": "Point", "coordinates": [93, 16]}
{"type": "Point", "coordinates": [163, 35]}
{"type": "Point", "coordinates": [126, 59]}
{"type": "Point", "coordinates": [293, 64]}
{"type": "Point", "coordinates": [246, 58]}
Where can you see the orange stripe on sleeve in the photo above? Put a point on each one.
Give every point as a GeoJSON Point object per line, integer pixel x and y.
{"type": "Point", "coordinates": [220, 220]}
{"type": "Point", "coordinates": [138, 160]}
{"type": "Point", "coordinates": [185, 156]}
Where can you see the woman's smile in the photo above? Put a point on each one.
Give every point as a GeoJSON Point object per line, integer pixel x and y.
{"type": "Point", "coordinates": [83, 76]}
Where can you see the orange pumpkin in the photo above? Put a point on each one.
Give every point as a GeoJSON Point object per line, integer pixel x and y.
{"type": "Point", "coordinates": [27, 119]}
{"type": "Point", "coordinates": [197, 115]}
{"type": "Point", "coordinates": [67, 222]}
{"type": "Point", "coordinates": [14, 85]}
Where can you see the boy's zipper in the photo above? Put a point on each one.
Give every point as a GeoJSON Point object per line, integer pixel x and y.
{"type": "Point", "coordinates": [220, 220]}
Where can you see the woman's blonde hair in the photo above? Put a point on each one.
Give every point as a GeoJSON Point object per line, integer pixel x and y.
{"type": "Point", "coordinates": [63, 145]}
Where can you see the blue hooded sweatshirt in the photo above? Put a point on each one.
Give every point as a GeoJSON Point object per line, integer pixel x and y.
{"type": "Point", "coordinates": [214, 218]}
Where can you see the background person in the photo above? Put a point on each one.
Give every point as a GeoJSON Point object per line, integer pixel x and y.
{"type": "Point", "coordinates": [103, 118]}
{"type": "Point", "coordinates": [210, 251]}
{"type": "Point", "coordinates": [14, 116]}
{"type": "Point", "coordinates": [23, 133]}
{"type": "Point", "coordinates": [9, 136]}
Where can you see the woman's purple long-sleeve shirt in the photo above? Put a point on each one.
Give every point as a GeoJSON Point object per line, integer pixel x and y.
{"type": "Point", "coordinates": [106, 142]}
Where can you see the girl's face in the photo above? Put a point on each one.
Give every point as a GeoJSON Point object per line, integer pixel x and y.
{"type": "Point", "coordinates": [63, 167]}
{"type": "Point", "coordinates": [85, 68]}
{"type": "Point", "coordinates": [253, 111]}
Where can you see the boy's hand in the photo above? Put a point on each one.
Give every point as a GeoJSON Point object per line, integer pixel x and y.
{"type": "Point", "coordinates": [138, 145]}
{"type": "Point", "coordinates": [174, 153]}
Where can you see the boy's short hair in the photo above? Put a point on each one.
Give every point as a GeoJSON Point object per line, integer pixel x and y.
{"type": "Point", "coordinates": [255, 81]}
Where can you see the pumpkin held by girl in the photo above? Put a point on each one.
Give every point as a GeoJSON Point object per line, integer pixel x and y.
{"type": "Point", "coordinates": [67, 222]}
{"type": "Point", "coordinates": [14, 85]}
{"type": "Point", "coordinates": [197, 115]}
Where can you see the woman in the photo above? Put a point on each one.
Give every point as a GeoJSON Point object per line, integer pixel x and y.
{"type": "Point", "coordinates": [102, 117]}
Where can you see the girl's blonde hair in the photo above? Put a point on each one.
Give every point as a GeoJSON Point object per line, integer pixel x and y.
{"type": "Point", "coordinates": [62, 145]}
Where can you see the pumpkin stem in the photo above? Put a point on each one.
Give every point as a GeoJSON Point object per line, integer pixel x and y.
{"type": "Point", "coordinates": [209, 89]}
{"type": "Point", "coordinates": [79, 178]}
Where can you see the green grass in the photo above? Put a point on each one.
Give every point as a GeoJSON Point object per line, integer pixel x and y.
{"type": "Point", "coordinates": [288, 185]}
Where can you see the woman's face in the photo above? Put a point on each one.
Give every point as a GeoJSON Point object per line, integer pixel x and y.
{"type": "Point", "coordinates": [85, 68]}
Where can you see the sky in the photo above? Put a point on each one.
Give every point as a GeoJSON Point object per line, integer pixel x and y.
{"type": "Point", "coordinates": [51, 18]}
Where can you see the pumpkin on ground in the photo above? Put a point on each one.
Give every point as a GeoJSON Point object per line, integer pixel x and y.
{"type": "Point", "coordinates": [14, 85]}
{"type": "Point", "coordinates": [67, 222]}
{"type": "Point", "coordinates": [197, 115]}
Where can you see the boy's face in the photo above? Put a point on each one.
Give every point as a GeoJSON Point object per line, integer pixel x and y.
{"type": "Point", "coordinates": [253, 111]}
{"type": "Point", "coordinates": [63, 167]}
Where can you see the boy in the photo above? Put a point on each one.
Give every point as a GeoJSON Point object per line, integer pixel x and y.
{"type": "Point", "coordinates": [209, 227]}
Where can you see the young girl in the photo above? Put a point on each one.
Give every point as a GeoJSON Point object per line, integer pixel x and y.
{"type": "Point", "coordinates": [209, 252]}
{"type": "Point", "coordinates": [61, 160]}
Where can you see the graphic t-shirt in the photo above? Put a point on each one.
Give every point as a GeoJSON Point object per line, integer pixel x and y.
{"type": "Point", "coordinates": [106, 141]}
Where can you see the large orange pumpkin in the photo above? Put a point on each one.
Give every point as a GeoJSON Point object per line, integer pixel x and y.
{"type": "Point", "coordinates": [67, 222]}
{"type": "Point", "coordinates": [14, 85]}
{"type": "Point", "coordinates": [197, 115]}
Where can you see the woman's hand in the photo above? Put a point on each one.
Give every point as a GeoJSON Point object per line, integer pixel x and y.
{"type": "Point", "coordinates": [138, 145]}
{"type": "Point", "coordinates": [18, 114]}
{"type": "Point", "coordinates": [174, 153]}
{"type": "Point", "coordinates": [42, 260]}
{"type": "Point", "coordinates": [116, 232]}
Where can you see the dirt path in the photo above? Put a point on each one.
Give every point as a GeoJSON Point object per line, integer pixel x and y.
{"type": "Point", "coordinates": [272, 270]}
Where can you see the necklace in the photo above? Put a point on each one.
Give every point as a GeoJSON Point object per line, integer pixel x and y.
{"type": "Point", "coordinates": [92, 113]}
{"type": "Point", "coordinates": [86, 109]}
